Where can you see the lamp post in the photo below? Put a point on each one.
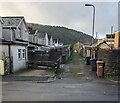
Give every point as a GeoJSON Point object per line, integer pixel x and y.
{"type": "Point", "coordinates": [93, 26]}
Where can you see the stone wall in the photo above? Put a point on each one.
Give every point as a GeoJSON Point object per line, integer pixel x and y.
{"type": "Point", "coordinates": [111, 59]}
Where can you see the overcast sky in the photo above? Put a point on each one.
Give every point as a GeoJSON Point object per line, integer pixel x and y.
{"type": "Point", "coordinates": [73, 15]}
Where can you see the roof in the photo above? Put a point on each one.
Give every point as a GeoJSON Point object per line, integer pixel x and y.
{"type": "Point", "coordinates": [41, 35]}
{"type": "Point", "coordinates": [97, 43]}
{"type": "Point", "coordinates": [103, 43]}
{"type": "Point", "coordinates": [12, 21]}
{"type": "Point", "coordinates": [87, 46]}
{"type": "Point", "coordinates": [32, 31]}
{"type": "Point", "coordinates": [1, 20]}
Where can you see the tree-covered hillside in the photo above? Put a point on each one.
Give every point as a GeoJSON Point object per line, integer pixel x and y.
{"type": "Point", "coordinates": [63, 34]}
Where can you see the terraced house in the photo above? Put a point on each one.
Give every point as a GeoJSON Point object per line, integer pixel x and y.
{"type": "Point", "coordinates": [17, 39]}
{"type": "Point", "coordinates": [37, 39]}
{"type": "Point", "coordinates": [15, 33]}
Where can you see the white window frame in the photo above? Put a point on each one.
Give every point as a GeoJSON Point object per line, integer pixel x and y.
{"type": "Point", "coordinates": [19, 54]}
{"type": "Point", "coordinates": [23, 53]}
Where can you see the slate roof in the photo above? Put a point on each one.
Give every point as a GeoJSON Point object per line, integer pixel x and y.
{"type": "Point", "coordinates": [41, 35]}
{"type": "Point", "coordinates": [32, 31]}
{"type": "Point", "coordinates": [1, 20]}
{"type": "Point", "coordinates": [11, 21]}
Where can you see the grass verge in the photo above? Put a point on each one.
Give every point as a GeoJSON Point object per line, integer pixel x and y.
{"type": "Point", "coordinates": [74, 72]}
{"type": "Point", "coordinates": [73, 59]}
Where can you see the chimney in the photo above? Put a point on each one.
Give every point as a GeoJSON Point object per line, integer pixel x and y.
{"type": "Point", "coordinates": [117, 40]}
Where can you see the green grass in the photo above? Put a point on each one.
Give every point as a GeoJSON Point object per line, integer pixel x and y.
{"type": "Point", "coordinates": [82, 60]}
{"type": "Point", "coordinates": [74, 58]}
{"type": "Point", "coordinates": [74, 72]}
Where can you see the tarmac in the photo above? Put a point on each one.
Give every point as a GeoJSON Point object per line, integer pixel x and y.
{"type": "Point", "coordinates": [41, 85]}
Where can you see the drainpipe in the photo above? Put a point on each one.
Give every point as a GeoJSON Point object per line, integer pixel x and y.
{"type": "Point", "coordinates": [9, 51]}
{"type": "Point", "coordinates": [111, 35]}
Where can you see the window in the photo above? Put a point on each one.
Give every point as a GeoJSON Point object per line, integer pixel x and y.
{"type": "Point", "coordinates": [23, 53]}
{"type": "Point", "coordinates": [19, 53]}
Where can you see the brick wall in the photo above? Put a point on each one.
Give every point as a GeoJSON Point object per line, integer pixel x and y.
{"type": "Point", "coordinates": [111, 59]}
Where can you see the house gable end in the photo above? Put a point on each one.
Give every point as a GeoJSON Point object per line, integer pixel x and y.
{"type": "Point", "coordinates": [11, 21]}
{"type": "Point", "coordinates": [1, 20]}
{"type": "Point", "coordinates": [104, 45]}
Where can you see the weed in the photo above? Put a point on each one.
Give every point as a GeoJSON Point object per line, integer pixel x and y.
{"type": "Point", "coordinates": [74, 72]}
{"type": "Point", "coordinates": [74, 58]}
{"type": "Point", "coordinates": [59, 71]}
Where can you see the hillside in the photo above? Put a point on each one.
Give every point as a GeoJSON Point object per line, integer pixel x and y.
{"type": "Point", "coordinates": [63, 34]}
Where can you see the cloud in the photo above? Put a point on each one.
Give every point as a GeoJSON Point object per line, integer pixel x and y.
{"type": "Point", "coordinates": [70, 14]}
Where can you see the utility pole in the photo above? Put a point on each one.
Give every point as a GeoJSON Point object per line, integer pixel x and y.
{"type": "Point", "coordinates": [111, 34]}
{"type": "Point", "coordinates": [96, 35]}
{"type": "Point", "coordinates": [93, 26]}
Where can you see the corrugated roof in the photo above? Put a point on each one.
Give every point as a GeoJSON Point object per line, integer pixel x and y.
{"type": "Point", "coordinates": [11, 21]}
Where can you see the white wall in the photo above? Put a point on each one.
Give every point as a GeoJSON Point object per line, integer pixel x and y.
{"type": "Point", "coordinates": [56, 44]}
{"type": "Point", "coordinates": [31, 38]}
{"type": "Point", "coordinates": [5, 49]}
{"type": "Point", "coordinates": [7, 34]}
{"type": "Point", "coordinates": [18, 64]}
{"type": "Point", "coordinates": [51, 41]}
{"type": "Point", "coordinates": [0, 38]}
{"type": "Point", "coordinates": [24, 31]}
{"type": "Point", "coordinates": [35, 39]}
{"type": "Point", "coordinates": [46, 40]}
{"type": "Point", "coordinates": [41, 41]}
